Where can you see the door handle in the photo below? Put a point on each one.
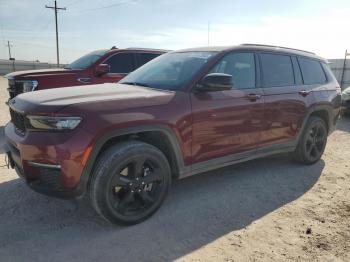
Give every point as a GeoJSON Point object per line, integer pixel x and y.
{"type": "Point", "coordinates": [84, 80]}
{"type": "Point", "coordinates": [253, 97]}
{"type": "Point", "coordinates": [304, 93]}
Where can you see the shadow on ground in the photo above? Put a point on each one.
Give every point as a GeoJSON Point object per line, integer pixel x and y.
{"type": "Point", "coordinates": [344, 124]}
{"type": "Point", "coordinates": [199, 210]}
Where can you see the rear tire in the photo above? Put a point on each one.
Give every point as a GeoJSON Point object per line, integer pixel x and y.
{"type": "Point", "coordinates": [130, 182]}
{"type": "Point", "coordinates": [312, 142]}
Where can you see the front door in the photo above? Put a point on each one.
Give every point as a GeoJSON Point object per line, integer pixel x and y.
{"type": "Point", "coordinates": [120, 64]}
{"type": "Point", "coordinates": [228, 122]}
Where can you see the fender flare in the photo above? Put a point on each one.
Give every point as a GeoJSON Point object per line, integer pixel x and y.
{"type": "Point", "coordinates": [314, 109]}
{"type": "Point", "coordinates": [100, 142]}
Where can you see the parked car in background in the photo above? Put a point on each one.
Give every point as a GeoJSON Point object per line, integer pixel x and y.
{"type": "Point", "coordinates": [345, 98]}
{"type": "Point", "coordinates": [184, 113]}
{"type": "Point", "coordinates": [101, 66]}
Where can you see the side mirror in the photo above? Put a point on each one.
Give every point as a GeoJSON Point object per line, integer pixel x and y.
{"type": "Point", "coordinates": [102, 69]}
{"type": "Point", "coordinates": [215, 82]}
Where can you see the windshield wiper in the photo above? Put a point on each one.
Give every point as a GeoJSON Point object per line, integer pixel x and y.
{"type": "Point", "coordinates": [135, 84]}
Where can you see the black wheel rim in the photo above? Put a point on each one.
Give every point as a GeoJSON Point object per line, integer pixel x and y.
{"type": "Point", "coordinates": [315, 141]}
{"type": "Point", "coordinates": [136, 187]}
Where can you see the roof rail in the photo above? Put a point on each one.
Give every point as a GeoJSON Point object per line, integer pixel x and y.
{"type": "Point", "coordinates": [151, 49]}
{"type": "Point", "coordinates": [279, 47]}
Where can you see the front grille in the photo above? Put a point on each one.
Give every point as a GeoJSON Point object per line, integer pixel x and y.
{"type": "Point", "coordinates": [18, 120]}
{"type": "Point", "coordinates": [15, 88]}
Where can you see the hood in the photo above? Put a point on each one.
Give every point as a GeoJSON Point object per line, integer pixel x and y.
{"type": "Point", "coordinates": [122, 96]}
{"type": "Point", "coordinates": [38, 72]}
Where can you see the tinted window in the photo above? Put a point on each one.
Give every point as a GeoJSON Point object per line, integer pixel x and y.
{"type": "Point", "coordinates": [86, 60]}
{"type": "Point", "coordinates": [242, 68]}
{"type": "Point", "coordinates": [328, 71]}
{"type": "Point", "coordinates": [171, 71]}
{"type": "Point", "coordinates": [121, 63]}
{"type": "Point", "coordinates": [312, 71]}
{"type": "Point", "coordinates": [143, 58]}
{"type": "Point", "coordinates": [277, 70]}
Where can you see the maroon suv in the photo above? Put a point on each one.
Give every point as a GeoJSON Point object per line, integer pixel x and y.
{"type": "Point", "coordinates": [102, 66]}
{"type": "Point", "coordinates": [183, 113]}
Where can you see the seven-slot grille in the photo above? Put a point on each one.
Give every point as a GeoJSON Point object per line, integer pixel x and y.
{"type": "Point", "coordinates": [18, 120]}
{"type": "Point", "coordinates": [15, 88]}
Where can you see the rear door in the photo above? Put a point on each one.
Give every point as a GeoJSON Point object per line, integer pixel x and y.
{"type": "Point", "coordinates": [228, 122]}
{"type": "Point", "coordinates": [120, 64]}
{"type": "Point", "coordinates": [286, 99]}
{"type": "Point", "coordinates": [143, 58]}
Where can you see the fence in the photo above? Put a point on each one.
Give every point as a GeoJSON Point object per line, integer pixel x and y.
{"type": "Point", "coordinates": [7, 66]}
{"type": "Point", "coordinates": [337, 66]}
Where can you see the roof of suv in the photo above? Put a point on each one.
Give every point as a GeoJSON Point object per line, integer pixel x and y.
{"type": "Point", "coordinates": [155, 50]}
{"type": "Point", "coordinates": [254, 47]}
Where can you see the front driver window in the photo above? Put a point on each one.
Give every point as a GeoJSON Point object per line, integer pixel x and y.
{"type": "Point", "coordinates": [242, 68]}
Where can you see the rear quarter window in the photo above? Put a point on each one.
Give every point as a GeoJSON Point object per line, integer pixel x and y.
{"type": "Point", "coordinates": [312, 71]}
{"type": "Point", "coordinates": [277, 70]}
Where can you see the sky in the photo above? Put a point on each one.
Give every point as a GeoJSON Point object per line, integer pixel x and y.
{"type": "Point", "coordinates": [320, 26]}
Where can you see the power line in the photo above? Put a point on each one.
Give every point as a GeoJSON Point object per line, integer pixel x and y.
{"type": "Point", "coordinates": [56, 8]}
{"type": "Point", "coordinates": [74, 3]}
{"type": "Point", "coordinates": [108, 6]}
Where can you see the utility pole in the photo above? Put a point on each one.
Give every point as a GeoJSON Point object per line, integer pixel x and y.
{"type": "Point", "coordinates": [56, 8]}
{"type": "Point", "coordinates": [344, 69]}
{"type": "Point", "coordinates": [9, 47]}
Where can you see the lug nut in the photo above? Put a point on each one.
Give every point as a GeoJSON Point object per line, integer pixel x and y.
{"type": "Point", "coordinates": [143, 183]}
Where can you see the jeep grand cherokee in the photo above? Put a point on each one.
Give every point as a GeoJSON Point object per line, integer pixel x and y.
{"type": "Point", "coordinates": [183, 113]}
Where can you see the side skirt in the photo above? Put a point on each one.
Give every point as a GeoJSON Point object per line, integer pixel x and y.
{"type": "Point", "coordinates": [237, 158]}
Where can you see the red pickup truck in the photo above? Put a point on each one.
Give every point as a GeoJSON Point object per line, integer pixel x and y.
{"type": "Point", "coordinates": [101, 66]}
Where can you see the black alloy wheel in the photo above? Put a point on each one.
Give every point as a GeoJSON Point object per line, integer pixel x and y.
{"type": "Point", "coordinates": [130, 182]}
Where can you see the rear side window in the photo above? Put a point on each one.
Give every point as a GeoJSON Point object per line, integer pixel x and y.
{"type": "Point", "coordinates": [242, 68]}
{"type": "Point", "coordinates": [312, 71]}
{"type": "Point", "coordinates": [122, 63]}
{"type": "Point", "coordinates": [277, 70]}
{"type": "Point", "coordinates": [143, 58]}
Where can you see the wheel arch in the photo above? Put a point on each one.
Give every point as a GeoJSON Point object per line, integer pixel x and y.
{"type": "Point", "coordinates": [322, 111]}
{"type": "Point", "coordinates": [323, 114]}
{"type": "Point", "coordinates": [159, 136]}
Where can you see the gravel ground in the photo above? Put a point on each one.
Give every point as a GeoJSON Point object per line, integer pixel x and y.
{"type": "Point", "coordinates": [264, 210]}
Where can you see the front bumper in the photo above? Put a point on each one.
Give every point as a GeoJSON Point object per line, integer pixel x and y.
{"type": "Point", "coordinates": [50, 163]}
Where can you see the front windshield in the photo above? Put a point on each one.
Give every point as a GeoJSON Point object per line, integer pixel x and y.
{"type": "Point", "coordinates": [169, 71]}
{"type": "Point", "coordinates": [86, 60]}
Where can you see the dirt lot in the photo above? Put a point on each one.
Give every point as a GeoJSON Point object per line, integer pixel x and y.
{"type": "Point", "coordinates": [263, 210]}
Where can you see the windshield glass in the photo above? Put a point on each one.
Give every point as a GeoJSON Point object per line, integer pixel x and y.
{"type": "Point", "coordinates": [86, 60]}
{"type": "Point", "coordinates": [169, 71]}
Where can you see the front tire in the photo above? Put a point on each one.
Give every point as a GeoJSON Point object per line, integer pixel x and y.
{"type": "Point", "coordinates": [312, 142]}
{"type": "Point", "coordinates": [130, 182]}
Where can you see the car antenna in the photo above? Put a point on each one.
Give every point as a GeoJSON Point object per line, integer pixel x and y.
{"type": "Point", "coordinates": [114, 47]}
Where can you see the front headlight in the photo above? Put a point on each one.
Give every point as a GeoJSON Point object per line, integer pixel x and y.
{"type": "Point", "coordinates": [29, 85]}
{"type": "Point", "coordinates": [53, 122]}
